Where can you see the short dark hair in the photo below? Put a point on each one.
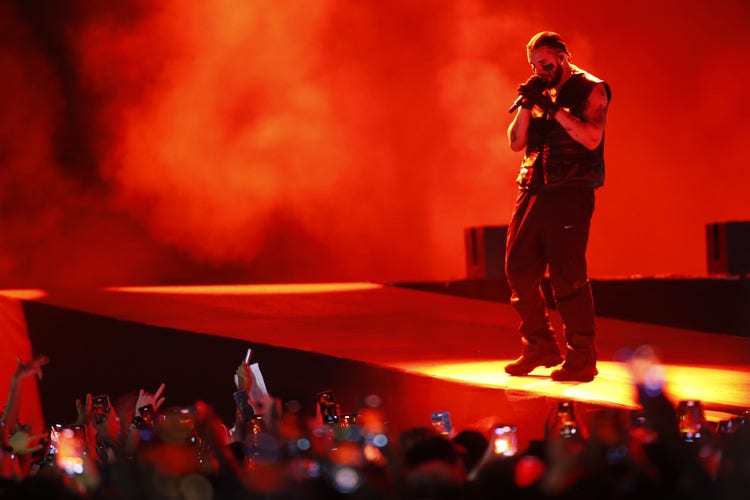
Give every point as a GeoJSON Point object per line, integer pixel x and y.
{"type": "Point", "coordinates": [547, 39]}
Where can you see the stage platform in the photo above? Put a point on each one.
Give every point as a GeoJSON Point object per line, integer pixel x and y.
{"type": "Point", "coordinates": [419, 351]}
{"type": "Point", "coordinates": [713, 304]}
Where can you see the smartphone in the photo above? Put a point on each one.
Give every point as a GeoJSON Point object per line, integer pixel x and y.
{"type": "Point", "coordinates": [54, 437]}
{"type": "Point", "coordinates": [70, 452]}
{"type": "Point", "coordinates": [566, 424]}
{"type": "Point", "coordinates": [505, 440]}
{"type": "Point", "coordinates": [329, 409]}
{"type": "Point", "coordinates": [148, 415]}
{"type": "Point", "coordinates": [691, 420]}
{"type": "Point", "coordinates": [441, 422]}
{"type": "Point", "coordinates": [100, 407]}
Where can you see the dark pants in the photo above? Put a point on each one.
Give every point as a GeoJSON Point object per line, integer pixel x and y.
{"type": "Point", "coordinates": [551, 228]}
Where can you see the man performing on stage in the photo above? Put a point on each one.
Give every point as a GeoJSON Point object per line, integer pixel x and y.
{"type": "Point", "coordinates": [562, 112]}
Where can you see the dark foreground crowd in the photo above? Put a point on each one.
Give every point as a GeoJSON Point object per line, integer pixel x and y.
{"type": "Point", "coordinates": [136, 448]}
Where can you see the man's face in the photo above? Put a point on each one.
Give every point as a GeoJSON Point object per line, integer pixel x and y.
{"type": "Point", "coordinates": [547, 63]}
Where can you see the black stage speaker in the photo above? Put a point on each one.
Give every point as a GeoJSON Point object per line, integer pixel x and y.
{"type": "Point", "coordinates": [485, 251]}
{"type": "Point", "coordinates": [728, 247]}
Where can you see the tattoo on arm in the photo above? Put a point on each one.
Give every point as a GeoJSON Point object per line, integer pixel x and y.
{"type": "Point", "coordinates": [588, 129]}
{"type": "Point", "coordinates": [599, 115]}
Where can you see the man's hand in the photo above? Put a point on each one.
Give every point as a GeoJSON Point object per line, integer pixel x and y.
{"type": "Point", "coordinates": [24, 443]}
{"type": "Point", "coordinates": [87, 418]}
{"type": "Point", "coordinates": [146, 398]}
{"type": "Point", "coordinates": [245, 379]}
{"type": "Point", "coordinates": [33, 367]}
{"type": "Point", "coordinates": [85, 413]}
{"type": "Point", "coordinates": [535, 82]}
{"type": "Point", "coordinates": [533, 97]}
{"type": "Point", "coordinates": [109, 428]}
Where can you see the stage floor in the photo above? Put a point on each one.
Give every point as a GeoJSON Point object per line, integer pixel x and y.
{"type": "Point", "coordinates": [465, 341]}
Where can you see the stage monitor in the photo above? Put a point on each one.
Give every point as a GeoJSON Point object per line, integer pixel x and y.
{"type": "Point", "coordinates": [485, 251]}
{"type": "Point", "coordinates": [728, 248]}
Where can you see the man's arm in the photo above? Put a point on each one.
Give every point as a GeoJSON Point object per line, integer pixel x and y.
{"type": "Point", "coordinates": [589, 130]}
{"type": "Point", "coordinates": [518, 130]}
{"type": "Point", "coordinates": [12, 407]}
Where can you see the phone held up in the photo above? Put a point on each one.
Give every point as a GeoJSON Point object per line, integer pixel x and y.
{"type": "Point", "coordinates": [329, 409]}
{"type": "Point", "coordinates": [441, 422]}
{"type": "Point", "coordinates": [100, 406]}
{"type": "Point", "coordinates": [70, 451]}
{"type": "Point", "coordinates": [505, 440]}
{"type": "Point", "coordinates": [54, 438]}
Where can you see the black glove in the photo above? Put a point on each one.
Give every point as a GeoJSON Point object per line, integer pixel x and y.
{"type": "Point", "coordinates": [533, 97]}
{"type": "Point", "coordinates": [535, 82]}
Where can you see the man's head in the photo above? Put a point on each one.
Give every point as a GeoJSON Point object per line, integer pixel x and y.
{"type": "Point", "coordinates": [549, 57]}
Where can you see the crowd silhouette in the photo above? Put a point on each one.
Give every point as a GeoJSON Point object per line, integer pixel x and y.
{"type": "Point", "coordinates": [136, 447]}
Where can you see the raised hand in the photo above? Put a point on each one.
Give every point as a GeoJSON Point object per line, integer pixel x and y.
{"type": "Point", "coordinates": [146, 398]}
{"type": "Point", "coordinates": [85, 415]}
{"type": "Point", "coordinates": [24, 443]}
{"type": "Point", "coordinates": [244, 377]}
{"type": "Point", "coordinates": [86, 418]}
{"type": "Point", "coordinates": [108, 428]}
{"type": "Point", "coordinates": [33, 367]}
{"type": "Point", "coordinates": [9, 414]}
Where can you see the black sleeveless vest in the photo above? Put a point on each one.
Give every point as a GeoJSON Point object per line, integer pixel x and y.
{"type": "Point", "coordinates": [552, 157]}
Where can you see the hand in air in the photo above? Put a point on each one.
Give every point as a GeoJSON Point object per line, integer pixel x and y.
{"type": "Point", "coordinates": [24, 443]}
{"type": "Point", "coordinates": [146, 398]}
{"type": "Point", "coordinates": [33, 367]}
{"type": "Point", "coordinates": [85, 411]}
{"type": "Point", "coordinates": [244, 377]}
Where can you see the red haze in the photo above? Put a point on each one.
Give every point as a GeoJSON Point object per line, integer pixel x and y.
{"type": "Point", "coordinates": [353, 140]}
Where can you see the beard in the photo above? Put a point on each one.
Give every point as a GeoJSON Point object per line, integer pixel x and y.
{"type": "Point", "coordinates": [555, 77]}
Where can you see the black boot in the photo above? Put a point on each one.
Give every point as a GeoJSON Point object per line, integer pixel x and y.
{"type": "Point", "coordinates": [579, 366]}
{"type": "Point", "coordinates": [536, 352]}
{"type": "Point", "coordinates": [577, 312]}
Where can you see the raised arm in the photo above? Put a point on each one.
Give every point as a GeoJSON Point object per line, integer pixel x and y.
{"type": "Point", "coordinates": [589, 130]}
{"type": "Point", "coordinates": [23, 371]}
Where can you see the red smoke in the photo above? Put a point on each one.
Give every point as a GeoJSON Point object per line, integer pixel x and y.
{"type": "Point", "coordinates": [354, 140]}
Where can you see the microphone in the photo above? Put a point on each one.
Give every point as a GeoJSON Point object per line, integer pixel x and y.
{"type": "Point", "coordinates": [516, 103]}
{"type": "Point", "coordinates": [535, 82]}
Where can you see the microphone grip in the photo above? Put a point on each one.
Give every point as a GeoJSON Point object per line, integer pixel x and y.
{"type": "Point", "coordinates": [534, 82]}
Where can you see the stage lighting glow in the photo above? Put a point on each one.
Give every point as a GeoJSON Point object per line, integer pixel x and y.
{"type": "Point", "coordinates": [263, 289]}
{"type": "Point", "coordinates": [24, 294]}
{"type": "Point", "coordinates": [613, 385]}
